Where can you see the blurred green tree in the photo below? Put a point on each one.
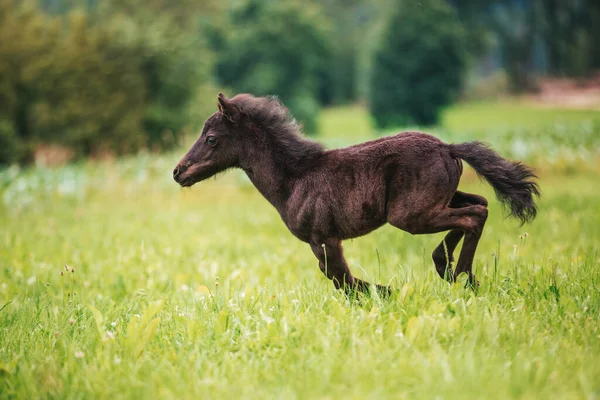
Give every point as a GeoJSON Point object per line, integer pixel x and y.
{"type": "Point", "coordinates": [110, 77]}
{"type": "Point", "coordinates": [91, 97]}
{"type": "Point", "coordinates": [473, 15]}
{"type": "Point", "coordinates": [419, 66]}
{"type": "Point", "coordinates": [275, 48]}
{"type": "Point", "coordinates": [514, 26]}
{"type": "Point", "coordinates": [9, 143]}
{"type": "Point", "coordinates": [570, 30]}
{"type": "Point", "coordinates": [27, 40]}
{"type": "Point", "coordinates": [168, 41]}
{"type": "Point", "coordinates": [339, 75]}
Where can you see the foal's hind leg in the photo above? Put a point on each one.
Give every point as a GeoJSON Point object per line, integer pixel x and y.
{"type": "Point", "coordinates": [333, 264]}
{"type": "Point", "coordinates": [443, 255]}
{"type": "Point", "coordinates": [469, 219]}
{"type": "Point", "coordinates": [467, 253]}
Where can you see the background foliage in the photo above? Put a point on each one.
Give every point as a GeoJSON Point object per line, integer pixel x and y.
{"type": "Point", "coordinates": [118, 76]}
{"type": "Point", "coordinates": [275, 47]}
{"type": "Point", "coordinates": [99, 80]}
{"type": "Point", "coordinates": [419, 66]}
{"type": "Point", "coordinates": [114, 283]}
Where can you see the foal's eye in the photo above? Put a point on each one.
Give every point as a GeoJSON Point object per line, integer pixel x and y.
{"type": "Point", "coordinates": [211, 140]}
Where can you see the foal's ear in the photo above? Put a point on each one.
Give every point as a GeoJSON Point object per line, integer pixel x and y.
{"type": "Point", "coordinates": [227, 108]}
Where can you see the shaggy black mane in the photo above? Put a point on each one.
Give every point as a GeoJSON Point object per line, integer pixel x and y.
{"type": "Point", "coordinates": [274, 119]}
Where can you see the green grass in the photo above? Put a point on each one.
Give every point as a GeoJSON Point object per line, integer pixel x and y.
{"type": "Point", "coordinates": [478, 117]}
{"type": "Point", "coordinates": [203, 293]}
{"type": "Point", "coordinates": [512, 114]}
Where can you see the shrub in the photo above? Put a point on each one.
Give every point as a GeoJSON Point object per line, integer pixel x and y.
{"type": "Point", "coordinates": [96, 81]}
{"type": "Point", "coordinates": [9, 143]}
{"type": "Point", "coordinates": [91, 97]}
{"type": "Point", "coordinates": [419, 65]}
{"type": "Point", "coordinates": [276, 48]}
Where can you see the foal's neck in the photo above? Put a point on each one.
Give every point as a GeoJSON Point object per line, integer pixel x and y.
{"type": "Point", "coordinates": [275, 165]}
{"type": "Point", "coordinates": [269, 180]}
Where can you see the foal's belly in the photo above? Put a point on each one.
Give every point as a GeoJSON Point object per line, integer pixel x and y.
{"type": "Point", "coordinates": [361, 229]}
{"type": "Point", "coordinates": [316, 215]}
{"type": "Point", "coordinates": [332, 226]}
{"type": "Point", "coordinates": [360, 216]}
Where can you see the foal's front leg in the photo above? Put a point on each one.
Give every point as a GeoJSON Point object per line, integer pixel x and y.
{"type": "Point", "coordinates": [333, 264]}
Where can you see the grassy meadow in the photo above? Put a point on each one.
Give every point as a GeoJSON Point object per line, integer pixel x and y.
{"type": "Point", "coordinates": [116, 283]}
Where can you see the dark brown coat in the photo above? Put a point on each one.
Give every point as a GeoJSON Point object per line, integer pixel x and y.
{"type": "Point", "coordinates": [324, 196]}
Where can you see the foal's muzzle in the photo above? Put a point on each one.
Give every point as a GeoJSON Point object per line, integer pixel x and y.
{"type": "Point", "coordinates": [178, 173]}
{"type": "Point", "coordinates": [188, 173]}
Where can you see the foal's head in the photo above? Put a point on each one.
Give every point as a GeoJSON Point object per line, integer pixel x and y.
{"type": "Point", "coordinates": [217, 148]}
{"type": "Point", "coordinates": [228, 135]}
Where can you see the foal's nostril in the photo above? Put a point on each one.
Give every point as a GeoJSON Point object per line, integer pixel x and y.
{"type": "Point", "coordinates": [176, 172]}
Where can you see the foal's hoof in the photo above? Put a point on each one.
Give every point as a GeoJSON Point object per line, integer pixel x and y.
{"type": "Point", "coordinates": [366, 289]}
{"type": "Point", "coordinates": [448, 276]}
{"type": "Point", "coordinates": [472, 283]}
{"type": "Point", "coordinates": [384, 291]}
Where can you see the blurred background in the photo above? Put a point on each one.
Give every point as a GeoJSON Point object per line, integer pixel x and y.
{"type": "Point", "coordinates": [103, 78]}
{"type": "Point", "coordinates": [99, 99]}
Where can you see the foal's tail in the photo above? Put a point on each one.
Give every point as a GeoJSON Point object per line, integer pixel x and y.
{"type": "Point", "coordinates": [513, 182]}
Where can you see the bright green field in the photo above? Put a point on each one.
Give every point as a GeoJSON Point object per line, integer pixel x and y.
{"type": "Point", "coordinates": [203, 293]}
